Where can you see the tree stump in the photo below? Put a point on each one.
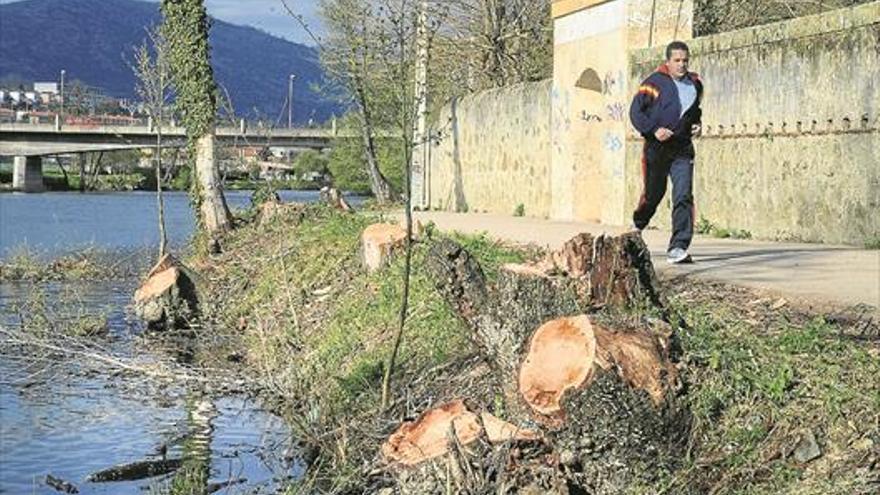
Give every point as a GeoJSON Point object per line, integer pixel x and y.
{"type": "Point", "coordinates": [379, 242]}
{"type": "Point", "coordinates": [333, 198]}
{"type": "Point", "coordinates": [429, 436]}
{"type": "Point", "coordinates": [273, 208]}
{"type": "Point", "coordinates": [578, 356]}
{"type": "Point", "coordinates": [168, 297]}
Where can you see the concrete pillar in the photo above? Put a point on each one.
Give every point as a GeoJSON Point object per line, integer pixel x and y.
{"type": "Point", "coordinates": [591, 95]}
{"type": "Point", "coordinates": [27, 174]}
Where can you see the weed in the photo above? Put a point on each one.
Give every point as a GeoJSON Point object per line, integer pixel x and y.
{"type": "Point", "coordinates": [706, 227]}
{"type": "Point", "coordinates": [520, 210]}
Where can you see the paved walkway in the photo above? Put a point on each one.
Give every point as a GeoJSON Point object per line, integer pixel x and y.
{"type": "Point", "coordinates": [812, 273]}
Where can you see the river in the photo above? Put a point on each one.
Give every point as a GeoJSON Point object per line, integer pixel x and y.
{"type": "Point", "coordinates": [67, 422]}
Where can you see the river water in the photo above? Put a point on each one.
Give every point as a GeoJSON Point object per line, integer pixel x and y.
{"type": "Point", "coordinates": [67, 422]}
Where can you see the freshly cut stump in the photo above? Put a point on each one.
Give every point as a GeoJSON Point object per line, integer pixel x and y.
{"type": "Point", "coordinates": [428, 437]}
{"type": "Point", "coordinates": [560, 357]}
{"type": "Point", "coordinates": [565, 353]}
{"type": "Point", "coordinates": [168, 296]}
{"type": "Point", "coordinates": [274, 208]}
{"type": "Point", "coordinates": [575, 353]}
{"type": "Point", "coordinates": [333, 198]}
{"type": "Point", "coordinates": [379, 242]}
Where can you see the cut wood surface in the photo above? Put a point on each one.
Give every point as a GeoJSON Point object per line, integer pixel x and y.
{"type": "Point", "coordinates": [428, 436]}
{"type": "Point", "coordinates": [168, 295]}
{"type": "Point", "coordinates": [641, 359]}
{"type": "Point", "coordinates": [157, 284]}
{"type": "Point", "coordinates": [379, 242]}
{"type": "Point", "coordinates": [561, 357]}
{"type": "Point", "coordinates": [160, 278]}
{"type": "Point", "coordinates": [334, 198]}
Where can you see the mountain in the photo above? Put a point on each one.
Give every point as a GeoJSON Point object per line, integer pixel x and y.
{"type": "Point", "coordinates": [93, 40]}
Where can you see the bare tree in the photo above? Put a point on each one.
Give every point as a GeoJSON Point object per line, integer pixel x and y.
{"type": "Point", "coordinates": [490, 43]}
{"type": "Point", "coordinates": [351, 55]}
{"type": "Point", "coordinates": [154, 88]}
{"type": "Point", "coordinates": [716, 16]}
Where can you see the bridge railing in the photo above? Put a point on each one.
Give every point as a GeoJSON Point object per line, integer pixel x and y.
{"type": "Point", "coordinates": [21, 117]}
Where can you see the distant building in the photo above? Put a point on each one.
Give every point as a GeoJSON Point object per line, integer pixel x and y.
{"type": "Point", "coordinates": [15, 96]}
{"type": "Point", "coordinates": [46, 87]}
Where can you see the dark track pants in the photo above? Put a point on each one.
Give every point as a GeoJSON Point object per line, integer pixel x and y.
{"type": "Point", "coordinates": [658, 162]}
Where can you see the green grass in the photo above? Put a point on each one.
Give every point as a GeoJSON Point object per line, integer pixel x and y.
{"type": "Point", "coordinates": [706, 227]}
{"type": "Point", "coordinates": [88, 264]}
{"type": "Point", "coordinates": [756, 387]}
{"type": "Point", "coordinates": [320, 328]}
{"type": "Point", "coordinates": [306, 282]}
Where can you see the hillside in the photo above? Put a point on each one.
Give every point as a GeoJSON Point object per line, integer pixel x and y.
{"type": "Point", "coordinates": [93, 39]}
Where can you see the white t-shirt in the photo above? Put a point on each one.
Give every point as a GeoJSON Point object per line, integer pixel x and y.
{"type": "Point", "coordinates": [687, 93]}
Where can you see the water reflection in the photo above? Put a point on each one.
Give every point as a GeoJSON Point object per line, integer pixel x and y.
{"type": "Point", "coordinates": [72, 421]}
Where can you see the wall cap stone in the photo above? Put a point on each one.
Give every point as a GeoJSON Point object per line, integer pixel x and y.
{"type": "Point", "coordinates": [560, 8]}
{"type": "Point", "coordinates": [846, 18]}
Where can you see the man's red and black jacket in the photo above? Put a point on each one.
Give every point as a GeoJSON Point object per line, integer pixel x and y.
{"type": "Point", "coordinates": [656, 105]}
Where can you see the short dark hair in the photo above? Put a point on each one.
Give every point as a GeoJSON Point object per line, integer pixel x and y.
{"type": "Point", "coordinates": [676, 45]}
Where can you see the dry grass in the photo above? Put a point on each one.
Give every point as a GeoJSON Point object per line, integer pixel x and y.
{"type": "Point", "coordinates": [761, 376]}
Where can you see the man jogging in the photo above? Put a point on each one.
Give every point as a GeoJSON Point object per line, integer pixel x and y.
{"type": "Point", "coordinates": [666, 111]}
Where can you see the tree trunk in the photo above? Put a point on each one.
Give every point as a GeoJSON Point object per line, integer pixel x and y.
{"type": "Point", "coordinates": [573, 357]}
{"type": "Point", "coordinates": [63, 171]}
{"type": "Point", "coordinates": [378, 183]}
{"type": "Point", "coordinates": [96, 170]}
{"type": "Point", "coordinates": [81, 161]}
{"type": "Point", "coordinates": [215, 215]}
{"type": "Point", "coordinates": [163, 237]}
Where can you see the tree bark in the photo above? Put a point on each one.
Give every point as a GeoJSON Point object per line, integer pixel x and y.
{"type": "Point", "coordinates": [81, 161]}
{"type": "Point", "coordinates": [216, 218]}
{"type": "Point", "coordinates": [160, 203]}
{"type": "Point", "coordinates": [379, 185]}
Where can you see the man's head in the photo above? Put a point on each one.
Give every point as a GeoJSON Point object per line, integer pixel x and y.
{"type": "Point", "coordinates": [677, 58]}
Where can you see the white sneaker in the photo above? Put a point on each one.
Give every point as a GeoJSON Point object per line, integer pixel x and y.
{"type": "Point", "coordinates": [677, 255]}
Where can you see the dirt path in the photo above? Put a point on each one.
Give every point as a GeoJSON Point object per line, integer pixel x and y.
{"type": "Point", "coordinates": [816, 274]}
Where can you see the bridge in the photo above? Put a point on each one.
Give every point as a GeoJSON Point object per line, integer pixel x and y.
{"type": "Point", "coordinates": [28, 143]}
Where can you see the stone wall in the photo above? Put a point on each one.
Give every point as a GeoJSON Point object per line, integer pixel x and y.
{"type": "Point", "coordinates": [590, 97]}
{"type": "Point", "coordinates": [791, 145]}
{"type": "Point", "coordinates": [490, 152]}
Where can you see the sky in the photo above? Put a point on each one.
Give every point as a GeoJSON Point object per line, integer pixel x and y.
{"type": "Point", "coordinates": [268, 15]}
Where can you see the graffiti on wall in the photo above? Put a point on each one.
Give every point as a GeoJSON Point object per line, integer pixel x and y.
{"type": "Point", "coordinates": [590, 117]}
{"type": "Point", "coordinates": [612, 83]}
{"type": "Point", "coordinates": [612, 142]}
{"type": "Point", "coordinates": [616, 111]}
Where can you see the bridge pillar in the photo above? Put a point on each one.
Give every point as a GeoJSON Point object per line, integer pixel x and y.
{"type": "Point", "coordinates": [27, 174]}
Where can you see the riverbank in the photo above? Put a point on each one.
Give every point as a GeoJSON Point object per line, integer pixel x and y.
{"type": "Point", "coordinates": [289, 301]}
{"type": "Point", "coordinates": [56, 180]}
